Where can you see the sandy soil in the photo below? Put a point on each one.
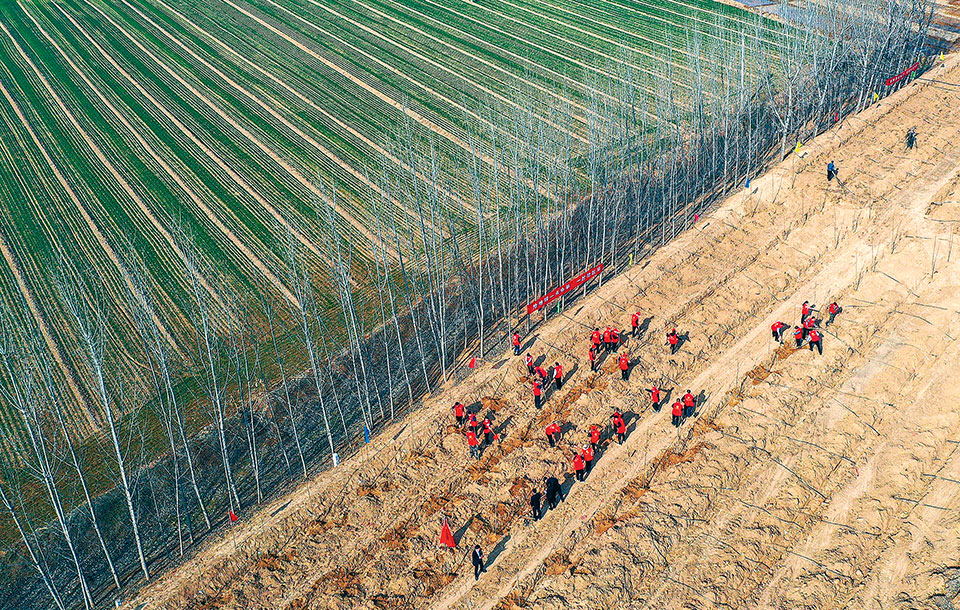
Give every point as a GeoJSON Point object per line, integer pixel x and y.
{"type": "Point", "coordinates": [804, 481]}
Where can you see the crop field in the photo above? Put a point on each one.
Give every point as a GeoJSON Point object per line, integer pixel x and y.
{"type": "Point", "coordinates": [239, 238]}
{"type": "Point", "coordinates": [247, 126]}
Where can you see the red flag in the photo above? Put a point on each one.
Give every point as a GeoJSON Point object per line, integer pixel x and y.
{"type": "Point", "coordinates": [446, 536]}
{"type": "Point", "coordinates": [233, 517]}
{"type": "Point", "coordinates": [473, 362]}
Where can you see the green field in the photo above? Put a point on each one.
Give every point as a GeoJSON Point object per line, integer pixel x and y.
{"type": "Point", "coordinates": [129, 123]}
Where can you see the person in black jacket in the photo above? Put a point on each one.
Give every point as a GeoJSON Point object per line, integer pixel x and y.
{"type": "Point", "coordinates": [554, 492]}
{"type": "Point", "coordinates": [478, 562]}
{"type": "Point", "coordinates": [535, 499]}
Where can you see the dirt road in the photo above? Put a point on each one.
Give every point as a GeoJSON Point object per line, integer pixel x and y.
{"type": "Point", "coordinates": [804, 480]}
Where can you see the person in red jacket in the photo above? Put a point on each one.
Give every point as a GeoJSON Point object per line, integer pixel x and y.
{"type": "Point", "coordinates": [595, 339]}
{"type": "Point", "coordinates": [558, 374]}
{"type": "Point", "coordinates": [635, 323]}
{"type": "Point", "coordinates": [798, 335]}
{"type": "Point", "coordinates": [689, 404]}
{"type": "Point", "coordinates": [816, 340]}
{"type": "Point", "coordinates": [537, 394]}
{"type": "Point", "coordinates": [459, 413]}
{"type": "Point", "coordinates": [833, 309]}
{"type": "Point", "coordinates": [474, 444]}
{"type": "Point", "coordinates": [488, 435]}
{"type": "Point", "coordinates": [655, 398]}
{"type": "Point", "coordinates": [592, 355]}
{"type": "Point", "coordinates": [516, 344]}
{"type": "Point", "coordinates": [677, 413]}
{"type": "Point", "coordinates": [579, 468]}
{"type": "Point", "coordinates": [541, 373]}
{"type": "Point", "coordinates": [777, 329]}
{"type": "Point", "coordinates": [624, 364]}
{"type": "Point", "coordinates": [587, 454]}
{"type": "Point", "coordinates": [472, 422]}
{"type": "Point", "coordinates": [606, 340]}
{"type": "Point", "coordinates": [620, 427]}
{"type": "Point", "coordinates": [613, 418]}
{"type": "Point", "coordinates": [809, 324]}
{"type": "Point", "coordinates": [595, 437]}
{"type": "Point", "coordinates": [528, 360]}
{"type": "Point", "coordinates": [805, 310]}
{"type": "Point", "coordinates": [674, 340]}
{"type": "Point", "coordinates": [553, 432]}
{"type": "Point", "coordinates": [614, 338]}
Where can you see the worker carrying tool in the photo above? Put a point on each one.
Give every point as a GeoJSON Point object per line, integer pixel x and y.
{"type": "Point", "coordinates": [624, 363]}
{"type": "Point", "coordinates": [541, 373]}
{"type": "Point", "coordinates": [516, 344]}
{"type": "Point", "coordinates": [474, 444]}
{"type": "Point", "coordinates": [673, 340]}
{"type": "Point", "coordinates": [579, 467]}
{"type": "Point", "coordinates": [459, 413]}
{"type": "Point", "coordinates": [834, 310]}
{"type": "Point", "coordinates": [689, 404]}
{"type": "Point", "coordinates": [777, 329]}
{"type": "Point", "coordinates": [808, 325]}
{"type": "Point", "coordinates": [553, 432]}
{"type": "Point", "coordinates": [816, 340]}
{"type": "Point", "coordinates": [677, 413]}
{"type": "Point", "coordinates": [488, 435]}
{"type": "Point", "coordinates": [558, 375]}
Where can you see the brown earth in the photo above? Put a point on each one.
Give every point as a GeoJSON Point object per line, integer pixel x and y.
{"type": "Point", "coordinates": [804, 481]}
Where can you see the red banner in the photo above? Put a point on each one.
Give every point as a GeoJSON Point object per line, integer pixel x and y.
{"type": "Point", "coordinates": [564, 288]}
{"type": "Point", "coordinates": [899, 77]}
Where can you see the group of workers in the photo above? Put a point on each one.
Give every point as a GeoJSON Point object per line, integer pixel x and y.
{"type": "Point", "coordinates": [609, 340]}
{"type": "Point", "coordinates": [583, 460]}
{"type": "Point", "coordinates": [809, 328]}
{"type": "Point", "coordinates": [606, 341]}
{"type": "Point", "coordinates": [480, 433]}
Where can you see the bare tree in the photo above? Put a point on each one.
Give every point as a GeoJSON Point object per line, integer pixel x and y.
{"type": "Point", "coordinates": [90, 326]}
